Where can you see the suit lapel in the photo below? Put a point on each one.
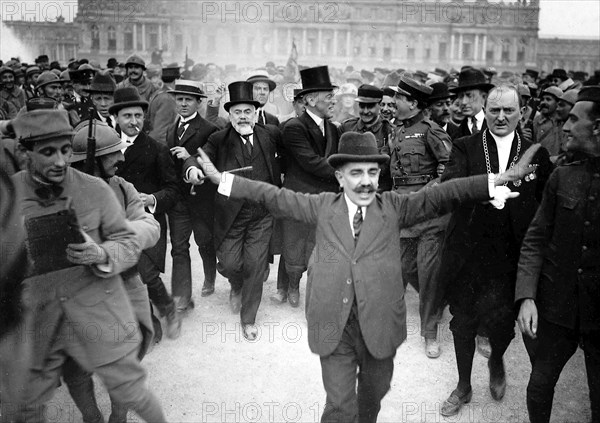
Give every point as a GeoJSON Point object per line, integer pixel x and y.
{"type": "Point", "coordinates": [262, 144]}
{"type": "Point", "coordinates": [315, 133]}
{"type": "Point", "coordinates": [136, 151]}
{"type": "Point", "coordinates": [340, 225]}
{"type": "Point", "coordinates": [236, 146]}
{"type": "Point", "coordinates": [190, 131]}
{"type": "Point", "coordinates": [375, 221]}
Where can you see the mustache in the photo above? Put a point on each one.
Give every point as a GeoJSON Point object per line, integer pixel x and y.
{"type": "Point", "coordinates": [367, 189]}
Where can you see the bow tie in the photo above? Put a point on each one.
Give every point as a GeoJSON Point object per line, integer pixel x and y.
{"type": "Point", "coordinates": [49, 192]}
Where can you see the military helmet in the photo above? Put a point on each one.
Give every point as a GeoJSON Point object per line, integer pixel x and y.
{"type": "Point", "coordinates": [107, 141]}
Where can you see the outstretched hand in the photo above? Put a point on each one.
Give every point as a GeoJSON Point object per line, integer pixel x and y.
{"type": "Point", "coordinates": [522, 168]}
{"type": "Point", "coordinates": [208, 167]}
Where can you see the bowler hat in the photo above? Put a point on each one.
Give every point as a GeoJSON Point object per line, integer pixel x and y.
{"type": "Point", "coordinates": [440, 92]}
{"type": "Point", "coordinates": [559, 73]}
{"type": "Point", "coordinates": [316, 79]}
{"type": "Point", "coordinates": [102, 83]}
{"type": "Point", "coordinates": [188, 87]}
{"type": "Point", "coordinates": [134, 59]}
{"type": "Point", "coordinates": [42, 125]}
{"type": "Point", "coordinates": [240, 92]}
{"type": "Point", "coordinates": [357, 147]}
{"type": "Point", "coordinates": [127, 97]}
{"type": "Point", "coordinates": [470, 79]}
{"type": "Point", "coordinates": [589, 93]}
{"type": "Point", "coordinates": [262, 76]}
{"type": "Point", "coordinates": [369, 94]}
{"type": "Point", "coordinates": [413, 89]}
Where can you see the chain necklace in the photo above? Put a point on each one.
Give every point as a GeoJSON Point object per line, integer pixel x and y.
{"type": "Point", "coordinates": [488, 166]}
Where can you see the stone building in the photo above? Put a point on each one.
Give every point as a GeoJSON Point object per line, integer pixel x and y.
{"type": "Point", "coordinates": [575, 55]}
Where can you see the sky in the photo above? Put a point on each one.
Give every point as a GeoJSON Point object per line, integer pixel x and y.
{"type": "Point", "coordinates": [571, 18]}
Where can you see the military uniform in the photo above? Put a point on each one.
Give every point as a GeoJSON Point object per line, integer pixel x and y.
{"type": "Point", "coordinates": [417, 152]}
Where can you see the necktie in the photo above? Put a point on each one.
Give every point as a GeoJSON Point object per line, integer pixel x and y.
{"type": "Point", "coordinates": [357, 223]}
{"type": "Point", "coordinates": [474, 130]}
{"type": "Point", "coordinates": [247, 143]}
{"type": "Point", "coordinates": [109, 122]}
{"type": "Point", "coordinates": [181, 129]}
{"type": "Point", "coordinates": [261, 117]}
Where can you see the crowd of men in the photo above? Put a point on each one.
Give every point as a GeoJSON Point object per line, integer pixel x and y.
{"type": "Point", "coordinates": [478, 189]}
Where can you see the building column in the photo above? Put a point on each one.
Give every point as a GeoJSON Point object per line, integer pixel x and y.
{"type": "Point", "coordinates": [484, 48]}
{"type": "Point", "coordinates": [460, 46]}
{"type": "Point", "coordinates": [304, 41]}
{"type": "Point", "coordinates": [335, 43]}
{"type": "Point", "coordinates": [348, 44]}
{"type": "Point", "coordinates": [170, 41]}
{"type": "Point", "coordinates": [476, 54]}
{"type": "Point", "coordinates": [143, 37]}
{"type": "Point", "coordinates": [160, 40]}
{"type": "Point", "coordinates": [513, 50]}
{"type": "Point", "coordinates": [319, 41]}
{"type": "Point", "coordinates": [452, 47]}
{"type": "Point", "coordinates": [134, 37]}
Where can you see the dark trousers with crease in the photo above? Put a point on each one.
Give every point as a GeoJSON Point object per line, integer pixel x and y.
{"type": "Point", "coordinates": [298, 244]}
{"type": "Point", "coordinates": [182, 223]}
{"type": "Point", "coordinates": [346, 401]}
{"type": "Point", "coordinates": [243, 257]}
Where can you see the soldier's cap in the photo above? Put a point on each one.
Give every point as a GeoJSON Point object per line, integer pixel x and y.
{"type": "Point", "coordinates": [45, 78]}
{"type": "Point", "coordinates": [103, 82]}
{"type": "Point", "coordinates": [136, 60]}
{"type": "Point", "coordinates": [523, 90]}
{"type": "Point", "coordinates": [388, 91]}
{"type": "Point", "coordinates": [559, 73]}
{"type": "Point", "coordinates": [357, 147]}
{"type": "Point", "coordinates": [433, 78]}
{"type": "Point", "coordinates": [347, 89]}
{"type": "Point", "coordinates": [532, 72]}
{"type": "Point", "coordinates": [37, 103]}
{"type": "Point", "coordinates": [127, 97]}
{"type": "Point", "coordinates": [65, 76]}
{"type": "Point", "coordinates": [381, 70]}
{"type": "Point", "coordinates": [369, 94]}
{"type": "Point", "coordinates": [42, 125]}
{"type": "Point", "coordinates": [440, 92]}
{"type": "Point", "coordinates": [5, 69]}
{"type": "Point", "coordinates": [553, 91]}
{"type": "Point", "coordinates": [570, 96]}
{"type": "Point", "coordinates": [413, 89]}
{"type": "Point", "coordinates": [420, 74]}
{"type": "Point", "coordinates": [589, 93]}
{"type": "Point", "coordinates": [107, 140]}
{"type": "Point", "coordinates": [31, 70]}
{"type": "Point", "coordinates": [188, 87]}
{"type": "Point", "coordinates": [261, 75]}
{"type": "Point", "coordinates": [19, 72]}
{"type": "Point", "coordinates": [489, 71]}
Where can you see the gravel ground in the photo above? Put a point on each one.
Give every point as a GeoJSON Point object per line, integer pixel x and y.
{"type": "Point", "coordinates": [212, 374]}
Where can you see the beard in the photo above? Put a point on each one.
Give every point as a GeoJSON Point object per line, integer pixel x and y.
{"type": "Point", "coordinates": [243, 128]}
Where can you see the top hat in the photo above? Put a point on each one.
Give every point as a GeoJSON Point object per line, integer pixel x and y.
{"type": "Point", "coordinates": [559, 73]}
{"type": "Point", "coordinates": [440, 92]}
{"type": "Point", "coordinates": [589, 93]}
{"type": "Point", "coordinates": [357, 147]}
{"type": "Point", "coordinates": [240, 92]}
{"type": "Point", "coordinates": [102, 83]}
{"type": "Point", "coordinates": [134, 59]}
{"type": "Point", "coordinates": [413, 89]}
{"type": "Point", "coordinates": [316, 79]}
{"type": "Point", "coordinates": [127, 97]}
{"type": "Point", "coordinates": [369, 94]}
{"type": "Point", "coordinates": [262, 76]}
{"type": "Point", "coordinates": [188, 87]}
{"type": "Point", "coordinates": [469, 79]}
{"type": "Point", "coordinates": [42, 125]}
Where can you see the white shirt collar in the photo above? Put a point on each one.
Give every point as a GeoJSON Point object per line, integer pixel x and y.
{"type": "Point", "coordinates": [479, 118]}
{"type": "Point", "coordinates": [187, 120]}
{"type": "Point", "coordinates": [126, 138]}
{"type": "Point", "coordinates": [504, 145]}
{"type": "Point", "coordinates": [352, 211]}
{"type": "Point", "coordinates": [318, 120]}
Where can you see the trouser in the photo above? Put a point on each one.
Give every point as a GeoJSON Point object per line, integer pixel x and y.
{"type": "Point", "coordinates": [150, 274]}
{"type": "Point", "coordinates": [556, 345]}
{"type": "Point", "coordinates": [182, 223]}
{"type": "Point", "coordinates": [421, 257]}
{"type": "Point", "coordinates": [243, 256]}
{"type": "Point", "coordinates": [298, 245]}
{"type": "Point", "coordinates": [347, 402]}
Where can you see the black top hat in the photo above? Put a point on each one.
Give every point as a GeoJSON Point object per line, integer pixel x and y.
{"type": "Point", "coordinates": [469, 79]}
{"type": "Point", "coordinates": [559, 73]}
{"type": "Point", "coordinates": [369, 94]}
{"type": "Point", "coordinates": [127, 97]}
{"type": "Point", "coordinates": [357, 147]}
{"type": "Point", "coordinates": [188, 87]}
{"type": "Point", "coordinates": [240, 92]}
{"type": "Point", "coordinates": [316, 79]}
{"type": "Point", "coordinates": [102, 83]}
{"type": "Point", "coordinates": [440, 92]}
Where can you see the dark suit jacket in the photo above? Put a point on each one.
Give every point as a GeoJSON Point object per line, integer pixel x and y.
{"type": "Point", "coordinates": [467, 222]}
{"type": "Point", "coordinates": [340, 272]}
{"type": "Point", "coordinates": [149, 167]}
{"type": "Point", "coordinates": [462, 130]}
{"type": "Point", "coordinates": [306, 152]}
{"type": "Point", "coordinates": [225, 151]}
{"type": "Point", "coordinates": [195, 136]}
{"type": "Point", "coordinates": [270, 119]}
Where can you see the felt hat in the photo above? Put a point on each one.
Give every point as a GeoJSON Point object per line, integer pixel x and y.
{"type": "Point", "coordinates": [42, 125]}
{"type": "Point", "coordinates": [589, 93]}
{"type": "Point", "coordinates": [471, 78]}
{"type": "Point", "coordinates": [357, 147]}
{"type": "Point", "coordinates": [440, 92]}
{"type": "Point", "coordinates": [127, 97]}
{"type": "Point", "coordinates": [103, 82]}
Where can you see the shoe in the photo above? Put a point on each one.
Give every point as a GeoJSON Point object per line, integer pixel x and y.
{"type": "Point", "coordinates": [454, 402]}
{"type": "Point", "coordinates": [250, 331]}
{"type": "Point", "coordinates": [235, 301]}
{"type": "Point", "coordinates": [497, 381]}
{"type": "Point", "coordinates": [432, 348]}
{"type": "Point", "coordinates": [183, 306]}
{"type": "Point", "coordinates": [208, 288]}
{"type": "Point", "coordinates": [157, 329]}
{"type": "Point", "coordinates": [173, 324]}
{"type": "Point", "coordinates": [483, 346]}
{"type": "Point", "coordinates": [280, 297]}
{"type": "Point", "coordinates": [294, 297]}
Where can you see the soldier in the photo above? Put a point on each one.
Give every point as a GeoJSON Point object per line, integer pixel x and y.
{"type": "Point", "coordinates": [439, 105]}
{"type": "Point", "coordinates": [136, 66]}
{"type": "Point", "coordinates": [388, 106]}
{"type": "Point", "coordinates": [70, 286]}
{"type": "Point", "coordinates": [81, 79]}
{"type": "Point", "coordinates": [12, 98]}
{"type": "Point", "coordinates": [162, 109]}
{"type": "Point", "coordinates": [546, 129]}
{"type": "Point", "coordinates": [31, 75]}
{"type": "Point", "coordinates": [50, 86]}
{"type": "Point", "coordinates": [418, 156]}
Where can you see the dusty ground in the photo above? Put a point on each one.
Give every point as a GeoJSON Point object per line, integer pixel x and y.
{"type": "Point", "coordinates": [212, 374]}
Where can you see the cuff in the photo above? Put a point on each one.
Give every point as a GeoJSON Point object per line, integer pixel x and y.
{"type": "Point", "coordinates": [152, 209]}
{"type": "Point", "coordinates": [491, 184]}
{"type": "Point", "coordinates": [225, 184]}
